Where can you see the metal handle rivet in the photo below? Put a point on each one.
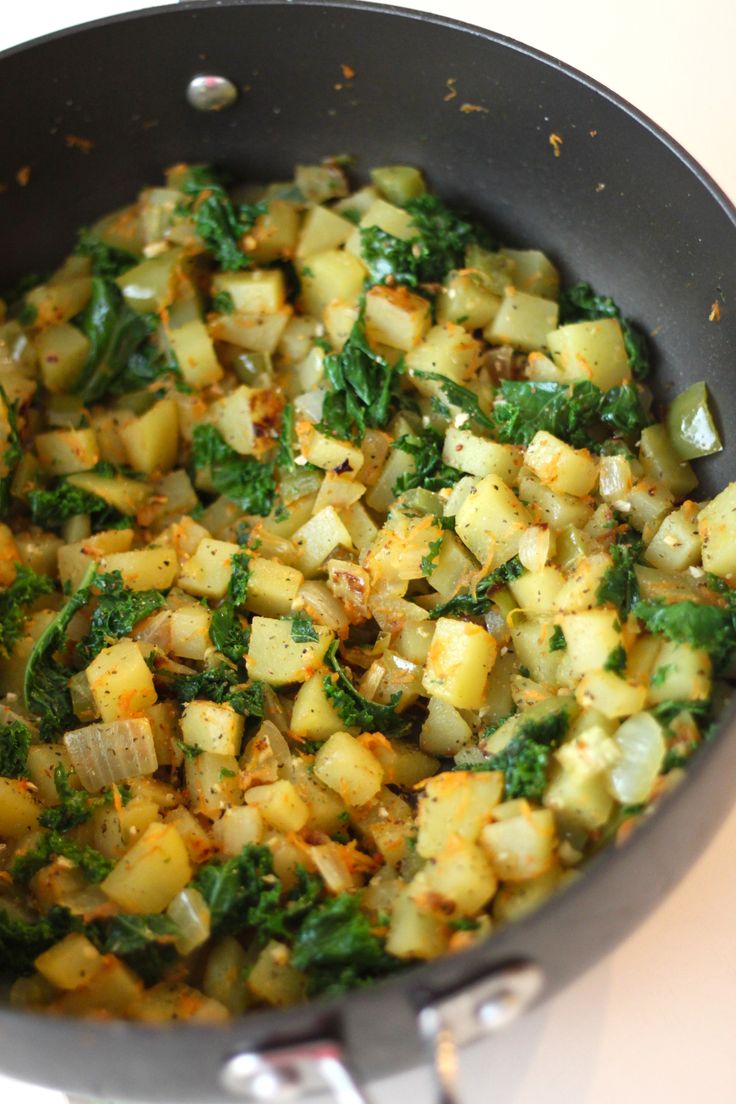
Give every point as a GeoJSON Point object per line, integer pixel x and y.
{"type": "Point", "coordinates": [250, 1078]}
{"type": "Point", "coordinates": [211, 93]}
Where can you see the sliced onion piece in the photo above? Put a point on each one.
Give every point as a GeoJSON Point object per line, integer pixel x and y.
{"type": "Point", "coordinates": [642, 745]}
{"type": "Point", "coordinates": [535, 546]}
{"type": "Point", "coordinates": [336, 874]}
{"type": "Point", "coordinates": [615, 479]}
{"type": "Point", "coordinates": [103, 754]}
{"type": "Point", "coordinates": [83, 704]}
{"type": "Point", "coordinates": [190, 913]}
{"type": "Point", "coordinates": [322, 606]}
{"type": "Point", "coordinates": [309, 404]}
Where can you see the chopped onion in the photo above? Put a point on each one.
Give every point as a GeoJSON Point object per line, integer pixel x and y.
{"type": "Point", "coordinates": [642, 745]}
{"type": "Point", "coordinates": [309, 405]}
{"type": "Point", "coordinates": [279, 747]}
{"type": "Point", "coordinates": [534, 547]}
{"type": "Point", "coordinates": [615, 478]}
{"type": "Point", "coordinates": [190, 913]}
{"type": "Point", "coordinates": [327, 857]}
{"type": "Point", "coordinates": [322, 606]}
{"type": "Point", "coordinates": [274, 711]}
{"type": "Point", "coordinates": [83, 704]}
{"type": "Point", "coordinates": [103, 754]}
{"type": "Point", "coordinates": [496, 624]}
{"type": "Point", "coordinates": [156, 629]}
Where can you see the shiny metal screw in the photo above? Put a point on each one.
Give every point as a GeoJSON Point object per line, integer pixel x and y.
{"type": "Point", "coordinates": [250, 1078]}
{"type": "Point", "coordinates": [518, 988]}
{"type": "Point", "coordinates": [211, 93]}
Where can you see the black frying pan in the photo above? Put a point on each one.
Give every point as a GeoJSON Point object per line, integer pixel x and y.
{"type": "Point", "coordinates": [659, 237]}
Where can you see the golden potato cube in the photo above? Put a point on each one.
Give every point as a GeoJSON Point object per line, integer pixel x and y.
{"type": "Point", "coordinates": [18, 808]}
{"type": "Point", "coordinates": [610, 694]}
{"type": "Point", "coordinates": [212, 727]}
{"type": "Point", "coordinates": [681, 673]}
{"type": "Point", "coordinates": [207, 573]}
{"type": "Point", "coordinates": [396, 317]}
{"type": "Point", "coordinates": [460, 658]}
{"type": "Point", "coordinates": [445, 731]}
{"type": "Point", "coordinates": [591, 636]}
{"type": "Point", "coordinates": [152, 872]}
{"type": "Point", "coordinates": [676, 545]}
{"type": "Point", "coordinates": [272, 587]}
{"type": "Point", "coordinates": [491, 520]}
{"type": "Point", "coordinates": [479, 456]}
{"type": "Point", "coordinates": [145, 569]}
{"type": "Point", "coordinates": [521, 847]}
{"type": "Point", "coordinates": [238, 828]}
{"type": "Point", "coordinates": [190, 631]}
{"type": "Point", "coordinates": [276, 658]}
{"type": "Point", "coordinates": [537, 591]}
{"type": "Point", "coordinates": [414, 933]}
{"type": "Point", "coordinates": [317, 540]}
{"type": "Point", "coordinates": [565, 469]}
{"type": "Point", "coordinates": [347, 767]}
{"type": "Point", "coordinates": [213, 783]}
{"type": "Point", "coordinates": [467, 300]}
{"type": "Point", "coordinates": [273, 979]}
{"type": "Point", "coordinates": [329, 453]}
{"type": "Point", "coordinates": [717, 527]}
{"type": "Point", "coordinates": [69, 963]}
{"type": "Point", "coordinates": [329, 276]}
{"type": "Point", "coordinates": [114, 832]}
{"type": "Point", "coordinates": [275, 232]}
{"type": "Point", "coordinates": [256, 292]}
{"type": "Point", "coordinates": [75, 558]}
{"type": "Point", "coordinates": [61, 351]}
{"type": "Point", "coordinates": [456, 804]}
{"type": "Point", "coordinates": [113, 990]}
{"type": "Point", "coordinates": [43, 759]}
{"type": "Point", "coordinates": [533, 272]}
{"type": "Point", "coordinates": [461, 877]}
{"type": "Point", "coordinates": [591, 350]}
{"type": "Point", "coordinates": [56, 303]}
{"type": "Point", "coordinates": [280, 805]}
{"type": "Point", "coordinates": [245, 418]}
{"type": "Point", "coordinates": [522, 321]}
{"type": "Point", "coordinates": [386, 216]}
{"type": "Point", "coordinates": [322, 229]}
{"type": "Point", "coordinates": [314, 717]}
{"type": "Point", "coordinates": [66, 451]}
{"type": "Point", "coordinates": [126, 495]}
{"type": "Point", "coordinates": [447, 350]}
{"type": "Point", "coordinates": [195, 354]}
{"type": "Point", "coordinates": [152, 441]}
{"type": "Point", "coordinates": [120, 681]}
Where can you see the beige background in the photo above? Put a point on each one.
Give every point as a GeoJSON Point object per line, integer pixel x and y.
{"type": "Point", "coordinates": [656, 1019]}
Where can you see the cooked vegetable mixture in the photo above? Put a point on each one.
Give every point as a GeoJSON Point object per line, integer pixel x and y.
{"type": "Point", "coordinates": [353, 593]}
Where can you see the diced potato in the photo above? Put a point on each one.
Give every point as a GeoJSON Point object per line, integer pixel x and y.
{"type": "Point", "coordinates": [276, 658]}
{"type": "Point", "coordinates": [322, 229]}
{"type": "Point", "coordinates": [195, 354]}
{"type": "Point", "coordinates": [329, 453]}
{"type": "Point", "coordinates": [113, 990]}
{"type": "Point", "coordinates": [523, 321]}
{"type": "Point", "coordinates": [275, 232]}
{"type": "Point", "coordinates": [681, 673]}
{"type": "Point", "coordinates": [717, 527]}
{"type": "Point", "coordinates": [386, 216]}
{"type": "Point", "coordinates": [447, 350]}
{"type": "Point", "coordinates": [591, 637]}
{"type": "Point", "coordinates": [224, 975]}
{"type": "Point", "coordinates": [65, 451]}
{"type": "Point", "coordinates": [55, 303]}
{"type": "Point", "coordinates": [346, 766]}
{"type": "Point", "coordinates": [115, 831]}
{"type": "Point", "coordinates": [533, 272]}
{"type": "Point", "coordinates": [189, 628]}
{"type": "Point", "coordinates": [649, 504]}
{"type": "Point", "coordinates": [521, 847]}
{"type": "Point", "coordinates": [42, 761]}
{"type": "Point", "coordinates": [272, 587]}
{"type": "Point", "coordinates": [581, 589]}
{"type": "Point", "coordinates": [398, 183]}
{"type": "Point", "coordinates": [279, 804]}
{"type": "Point", "coordinates": [467, 300]}
{"type": "Point", "coordinates": [197, 839]}
{"type": "Point", "coordinates": [145, 569]}
{"type": "Point", "coordinates": [479, 456]}
{"type": "Point", "coordinates": [414, 933]}
{"type": "Point", "coordinates": [549, 507]}
{"type": "Point", "coordinates": [318, 539]}
{"type": "Point", "coordinates": [152, 872]}
{"type": "Point", "coordinates": [238, 828]}
{"type": "Point", "coordinates": [75, 558]}
{"type": "Point", "coordinates": [663, 463]}
{"type": "Point", "coordinates": [152, 441]}
{"type": "Point", "coordinates": [69, 963]}
{"type": "Point", "coordinates": [460, 658]}
{"type": "Point", "coordinates": [610, 694]}
{"type": "Point", "coordinates": [579, 793]}
{"type": "Point", "coordinates": [212, 783]}
{"type": "Point", "coordinates": [212, 727]}
{"type": "Point", "coordinates": [62, 351]}
{"type": "Point", "coordinates": [329, 276]}
{"type": "Point", "coordinates": [18, 809]}
{"type": "Point", "coordinates": [396, 317]}
{"type": "Point", "coordinates": [207, 573]}
{"type": "Point", "coordinates": [273, 979]}
{"type": "Point", "coordinates": [120, 681]}
{"type": "Point", "coordinates": [459, 881]}
{"type": "Point", "coordinates": [246, 418]}
{"type": "Point", "coordinates": [591, 350]}
{"type": "Point", "coordinates": [564, 469]}
{"type": "Point", "coordinates": [676, 545]}
{"type": "Point", "coordinates": [490, 521]}
{"type": "Point", "coordinates": [260, 291]}
{"type": "Point", "coordinates": [340, 491]}
{"type": "Point", "coordinates": [537, 592]}
{"type": "Point", "coordinates": [125, 495]}
{"type": "Point", "coordinates": [456, 804]}
{"type": "Point", "coordinates": [314, 717]}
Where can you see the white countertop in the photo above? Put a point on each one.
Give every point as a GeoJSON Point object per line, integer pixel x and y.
{"type": "Point", "coordinates": [654, 1020]}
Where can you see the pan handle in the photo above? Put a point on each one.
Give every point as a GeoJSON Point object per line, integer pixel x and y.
{"type": "Point", "coordinates": [282, 1074]}
{"type": "Point", "coordinates": [481, 1009]}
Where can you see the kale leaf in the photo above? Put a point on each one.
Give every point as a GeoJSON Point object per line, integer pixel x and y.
{"type": "Point", "coordinates": [619, 585]}
{"type": "Point", "coordinates": [235, 888]}
{"type": "Point", "coordinates": [615, 661]}
{"type": "Point", "coordinates": [75, 806]}
{"type": "Point", "coordinates": [50, 508]}
{"type": "Point", "coordinates": [353, 708]}
{"type": "Point", "coordinates": [15, 740]}
{"type": "Point", "coordinates": [302, 628]}
{"type": "Point", "coordinates": [220, 223]}
{"type": "Point", "coordinates": [46, 681]}
{"type": "Point", "coordinates": [557, 642]}
{"type": "Point", "coordinates": [22, 941]}
{"type": "Point", "coordinates": [52, 845]}
{"type": "Point", "coordinates": [146, 943]}
{"type": "Point", "coordinates": [363, 385]}
{"type": "Point", "coordinates": [246, 481]}
{"type": "Point", "coordinates": [107, 260]}
{"type": "Point", "coordinates": [25, 588]}
{"type": "Point", "coordinates": [337, 948]}
{"type": "Point", "coordinates": [581, 304]}
{"type": "Point", "coordinates": [117, 612]}
{"type": "Point", "coordinates": [710, 628]}
{"type": "Point", "coordinates": [569, 412]}
{"type": "Point", "coordinates": [227, 632]}
{"type": "Point", "coordinates": [476, 600]}
{"type": "Point", "coordinates": [116, 332]}
{"type": "Point", "coordinates": [525, 759]}
{"type": "Point", "coordinates": [430, 471]}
